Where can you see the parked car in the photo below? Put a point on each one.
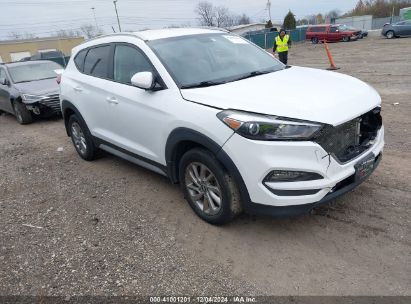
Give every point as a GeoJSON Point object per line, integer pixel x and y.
{"type": "Point", "coordinates": [363, 33]}
{"type": "Point", "coordinates": [198, 106]}
{"type": "Point", "coordinates": [29, 88]}
{"type": "Point", "coordinates": [331, 33]}
{"type": "Point", "coordinates": [56, 56]}
{"type": "Point", "coordinates": [399, 29]}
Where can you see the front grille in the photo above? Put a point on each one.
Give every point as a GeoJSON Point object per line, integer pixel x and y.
{"type": "Point", "coordinates": [52, 102]}
{"type": "Point", "coordinates": [352, 138]}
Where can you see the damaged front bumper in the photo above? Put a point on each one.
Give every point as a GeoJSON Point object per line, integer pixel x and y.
{"type": "Point", "coordinates": [255, 161]}
{"type": "Point", "coordinates": [44, 105]}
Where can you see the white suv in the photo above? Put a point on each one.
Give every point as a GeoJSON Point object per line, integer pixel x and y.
{"type": "Point", "coordinates": [235, 127]}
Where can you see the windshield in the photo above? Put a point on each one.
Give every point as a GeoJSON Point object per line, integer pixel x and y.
{"type": "Point", "coordinates": [211, 59]}
{"type": "Point", "coordinates": [32, 71]}
{"type": "Point", "coordinates": [344, 28]}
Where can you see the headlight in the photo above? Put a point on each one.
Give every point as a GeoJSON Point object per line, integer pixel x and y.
{"type": "Point", "coordinates": [32, 98]}
{"type": "Point", "coordinates": [265, 127]}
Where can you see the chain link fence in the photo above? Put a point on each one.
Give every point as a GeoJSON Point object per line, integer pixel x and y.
{"type": "Point", "coordinates": [265, 39]}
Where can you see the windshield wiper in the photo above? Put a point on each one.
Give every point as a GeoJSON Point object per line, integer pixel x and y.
{"type": "Point", "coordinates": [203, 84]}
{"type": "Point", "coordinates": [253, 74]}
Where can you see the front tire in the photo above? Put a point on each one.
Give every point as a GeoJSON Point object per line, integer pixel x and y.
{"type": "Point", "coordinates": [314, 40]}
{"type": "Point", "coordinates": [390, 35]}
{"type": "Point", "coordinates": [346, 39]}
{"type": "Point", "coordinates": [82, 139]}
{"type": "Point", "coordinates": [23, 115]}
{"type": "Point", "coordinates": [209, 190]}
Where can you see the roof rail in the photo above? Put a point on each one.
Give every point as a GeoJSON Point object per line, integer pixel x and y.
{"type": "Point", "coordinates": [113, 34]}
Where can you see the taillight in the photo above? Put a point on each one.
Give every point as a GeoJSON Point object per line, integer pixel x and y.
{"type": "Point", "coordinates": [58, 78]}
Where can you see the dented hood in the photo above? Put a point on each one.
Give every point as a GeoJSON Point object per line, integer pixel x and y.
{"type": "Point", "coordinates": [297, 92]}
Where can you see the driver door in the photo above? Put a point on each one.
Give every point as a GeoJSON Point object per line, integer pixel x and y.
{"type": "Point", "coordinates": [136, 116]}
{"type": "Point", "coordinates": [5, 103]}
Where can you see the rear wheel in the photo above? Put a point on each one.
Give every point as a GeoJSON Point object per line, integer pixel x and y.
{"type": "Point", "coordinates": [82, 139]}
{"type": "Point", "coordinates": [314, 40]}
{"type": "Point", "coordinates": [23, 115]}
{"type": "Point", "coordinates": [390, 34]}
{"type": "Point", "coordinates": [207, 187]}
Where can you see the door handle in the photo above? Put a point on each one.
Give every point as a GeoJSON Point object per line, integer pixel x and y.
{"type": "Point", "coordinates": [112, 100]}
{"type": "Point", "coordinates": [78, 89]}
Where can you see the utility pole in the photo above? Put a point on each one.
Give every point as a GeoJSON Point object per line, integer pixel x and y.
{"type": "Point", "coordinates": [269, 9]}
{"type": "Point", "coordinates": [94, 14]}
{"type": "Point", "coordinates": [118, 19]}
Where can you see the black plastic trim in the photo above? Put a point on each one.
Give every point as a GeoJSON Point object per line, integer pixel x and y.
{"type": "Point", "coordinates": [293, 192]}
{"type": "Point", "coordinates": [181, 135]}
{"type": "Point", "coordinates": [98, 141]}
{"type": "Point", "coordinates": [67, 105]}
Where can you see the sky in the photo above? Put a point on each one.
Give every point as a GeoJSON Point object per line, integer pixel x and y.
{"type": "Point", "coordinates": [45, 17]}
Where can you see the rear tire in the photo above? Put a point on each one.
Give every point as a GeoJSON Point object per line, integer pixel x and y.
{"type": "Point", "coordinates": [82, 139]}
{"type": "Point", "coordinates": [390, 35]}
{"type": "Point", "coordinates": [314, 40]}
{"type": "Point", "coordinates": [23, 115]}
{"type": "Point", "coordinates": [209, 190]}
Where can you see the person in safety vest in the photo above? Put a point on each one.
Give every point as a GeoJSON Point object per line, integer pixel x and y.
{"type": "Point", "coordinates": [281, 44]}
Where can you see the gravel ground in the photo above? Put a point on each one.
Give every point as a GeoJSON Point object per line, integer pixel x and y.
{"type": "Point", "coordinates": [108, 227]}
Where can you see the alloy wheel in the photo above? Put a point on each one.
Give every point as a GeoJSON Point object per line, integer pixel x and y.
{"type": "Point", "coordinates": [78, 138]}
{"type": "Point", "coordinates": [203, 188]}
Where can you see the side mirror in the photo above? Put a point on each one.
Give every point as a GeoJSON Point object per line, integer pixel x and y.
{"type": "Point", "coordinates": [4, 81]}
{"type": "Point", "coordinates": [143, 80]}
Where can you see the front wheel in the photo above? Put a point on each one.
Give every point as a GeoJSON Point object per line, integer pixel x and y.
{"type": "Point", "coordinates": [23, 115]}
{"type": "Point", "coordinates": [346, 39]}
{"type": "Point", "coordinates": [207, 187]}
{"type": "Point", "coordinates": [390, 34]}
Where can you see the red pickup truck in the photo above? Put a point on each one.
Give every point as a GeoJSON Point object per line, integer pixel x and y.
{"type": "Point", "coordinates": [331, 33]}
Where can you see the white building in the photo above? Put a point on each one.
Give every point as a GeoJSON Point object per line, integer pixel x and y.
{"type": "Point", "coordinates": [244, 28]}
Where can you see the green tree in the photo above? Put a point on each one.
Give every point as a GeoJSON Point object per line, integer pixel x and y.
{"type": "Point", "coordinates": [289, 21]}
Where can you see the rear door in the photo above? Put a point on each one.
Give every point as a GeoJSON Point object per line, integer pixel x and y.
{"type": "Point", "coordinates": [322, 33]}
{"type": "Point", "coordinates": [88, 88]}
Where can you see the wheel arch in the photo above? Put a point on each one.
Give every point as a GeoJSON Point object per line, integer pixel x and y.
{"type": "Point", "coordinates": [182, 140]}
{"type": "Point", "coordinates": [68, 109]}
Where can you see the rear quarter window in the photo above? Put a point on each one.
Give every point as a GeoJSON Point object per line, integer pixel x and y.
{"type": "Point", "coordinates": [79, 60]}
{"type": "Point", "coordinates": [97, 62]}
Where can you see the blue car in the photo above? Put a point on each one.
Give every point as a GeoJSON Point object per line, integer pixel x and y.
{"type": "Point", "coordinates": [399, 29]}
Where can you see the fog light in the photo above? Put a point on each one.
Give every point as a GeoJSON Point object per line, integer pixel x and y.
{"type": "Point", "coordinates": [276, 176]}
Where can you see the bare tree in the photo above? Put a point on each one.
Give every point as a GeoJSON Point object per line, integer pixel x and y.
{"type": "Point", "coordinates": [243, 19]}
{"type": "Point", "coordinates": [15, 35]}
{"type": "Point", "coordinates": [68, 33]}
{"type": "Point", "coordinates": [90, 31]}
{"type": "Point", "coordinates": [219, 16]}
{"type": "Point", "coordinates": [206, 13]}
{"type": "Point", "coordinates": [222, 17]}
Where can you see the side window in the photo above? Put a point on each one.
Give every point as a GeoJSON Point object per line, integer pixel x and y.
{"type": "Point", "coordinates": [97, 62]}
{"type": "Point", "coordinates": [79, 60]}
{"type": "Point", "coordinates": [2, 74]}
{"type": "Point", "coordinates": [333, 29]}
{"type": "Point", "coordinates": [127, 62]}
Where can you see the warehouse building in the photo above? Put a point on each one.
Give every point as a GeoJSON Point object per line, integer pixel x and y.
{"type": "Point", "coordinates": [15, 50]}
